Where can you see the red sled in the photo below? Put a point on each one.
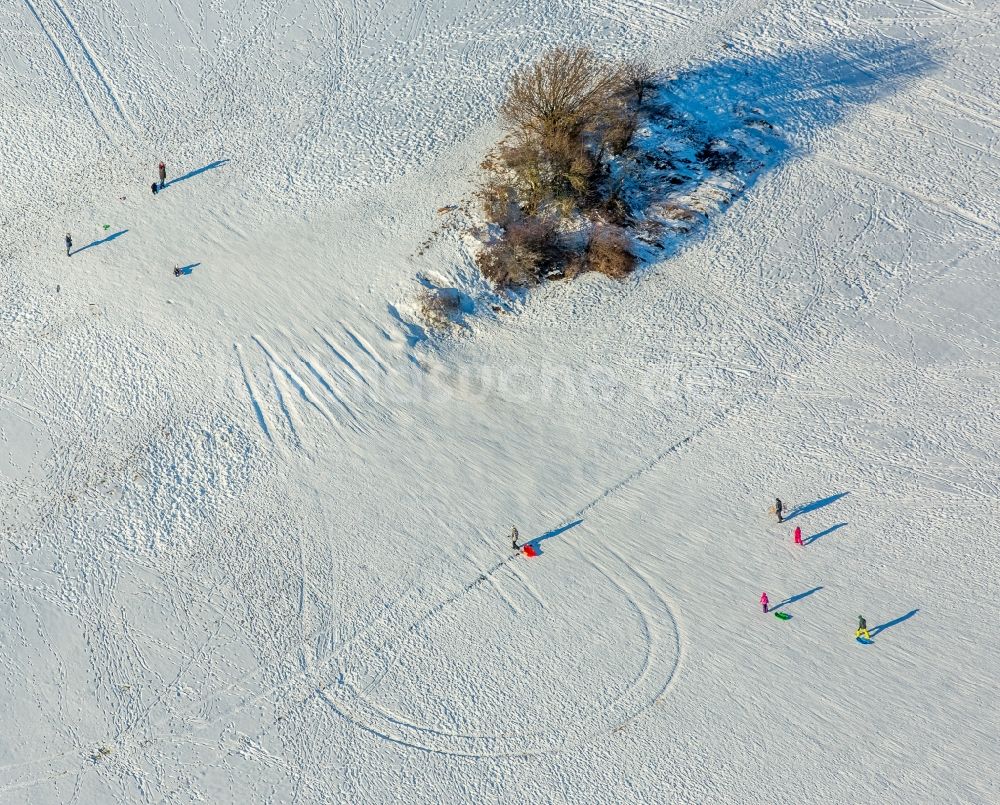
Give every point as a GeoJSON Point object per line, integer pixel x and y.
{"type": "Point", "coordinates": [529, 550]}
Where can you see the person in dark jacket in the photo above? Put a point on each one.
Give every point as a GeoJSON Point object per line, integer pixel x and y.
{"type": "Point", "coordinates": [163, 174]}
{"type": "Point", "coordinates": [69, 244]}
{"type": "Point", "coordinates": [778, 508]}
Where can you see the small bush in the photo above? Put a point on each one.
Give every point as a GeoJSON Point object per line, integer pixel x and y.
{"type": "Point", "coordinates": [528, 248]}
{"type": "Point", "coordinates": [439, 307]}
{"type": "Point", "coordinates": [609, 252]}
{"type": "Point", "coordinates": [555, 170]}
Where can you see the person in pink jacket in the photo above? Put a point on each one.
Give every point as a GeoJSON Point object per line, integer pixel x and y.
{"type": "Point", "coordinates": [798, 535]}
{"type": "Point", "coordinates": [764, 601]}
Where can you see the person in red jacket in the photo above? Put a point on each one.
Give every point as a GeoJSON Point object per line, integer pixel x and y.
{"type": "Point", "coordinates": [764, 601]}
{"type": "Point", "coordinates": [798, 535]}
{"type": "Point", "coordinates": [163, 174]}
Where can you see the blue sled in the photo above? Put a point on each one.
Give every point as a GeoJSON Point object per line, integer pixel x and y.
{"type": "Point", "coordinates": [864, 642]}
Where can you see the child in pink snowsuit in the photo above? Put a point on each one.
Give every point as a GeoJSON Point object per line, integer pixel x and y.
{"type": "Point", "coordinates": [764, 601]}
{"type": "Point", "coordinates": [798, 535]}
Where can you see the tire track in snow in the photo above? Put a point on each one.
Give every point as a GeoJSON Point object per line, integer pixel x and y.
{"type": "Point", "coordinates": [295, 380]}
{"type": "Point", "coordinates": [286, 407]}
{"type": "Point", "coordinates": [493, 583]}
{"type": "Point", "coordinates": [346, 393]}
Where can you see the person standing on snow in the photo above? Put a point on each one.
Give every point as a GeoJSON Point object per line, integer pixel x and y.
{"type": "Point", "coordinates": [798, 535]}
{"type": "Point", "coordinates": [69, 244]}
{"type": "Point", "coordinates": [764, 601]}
{"type": "Point", "coordinates": [777, 509]}
{"type": "Point", "coordinates": [163, 174]}
{"type": "Point", "coordinates": [862, 629]}
{"type": "Point", "coordinates": [513, 538]}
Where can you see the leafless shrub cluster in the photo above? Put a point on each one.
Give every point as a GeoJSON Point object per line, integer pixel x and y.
{"type": "Point", "coordinates": [565, 116]}
{"type": "Point", "coordinates": [529, 248]}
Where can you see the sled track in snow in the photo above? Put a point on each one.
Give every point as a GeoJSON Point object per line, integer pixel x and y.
{"type": "Point", "coordinates": [339, 377]}
{"type": "Point", "coordinates": [662, 647]}
{"type": "Point", "coordinates": [86, 73]}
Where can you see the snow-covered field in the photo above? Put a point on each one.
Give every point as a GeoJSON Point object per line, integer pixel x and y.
{"type": "Point", "coordinates": [254, 519]}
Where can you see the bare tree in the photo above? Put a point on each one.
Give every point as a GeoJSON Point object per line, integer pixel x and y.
{"type": "Point", "coordinates": [639, 78]}
{"type": "Point", "coordinates": [566, 92]}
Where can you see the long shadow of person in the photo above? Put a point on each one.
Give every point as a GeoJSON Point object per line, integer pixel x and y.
{"type": "Point", "coordinates": [794, 598]}
{"type": "Point", "coordinates": [108, 239]}
{"type": "Point", "coordinates": [889, 624]}
{"type": "Point", "coordinates": [191, 174]}
{"type": "Point", "coordinates": [830, 530]}
{"type": "Point", "coordinates": [805, 508]}
{"type": "Point", "coordinates": [555, 532]}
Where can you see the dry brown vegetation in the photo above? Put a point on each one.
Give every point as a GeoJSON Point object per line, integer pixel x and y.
{"type": "Point", "coordinates": [547, 184]}
{"type": "Point", "coordinates": [608, 252]}
{"type": "Point", "coordinates": [438, 307]}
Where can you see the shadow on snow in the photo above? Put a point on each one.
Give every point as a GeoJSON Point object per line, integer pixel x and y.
{"type": "Point", "coordinates": [99, 242]}
{"type": "Point", "coordinates": [805, 508]}
{"type": "Point", "coordinates": [191, 174]}
{"type": "Point", "coordinates": [555, 532]}
{"type": "Point", "coordinates": [795, 598]}
{"type": "Point", "coordinates": [811, 539]}
{"type": "Point", "coordinates": [709, 133]}
{"type": "Point", "coordinates": [889, 624]}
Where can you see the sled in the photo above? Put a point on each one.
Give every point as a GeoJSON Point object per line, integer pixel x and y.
{"type": "Point", "coordinates": [782, 616]}
{"type": "Point", "coordinates": [864, 641]}
{"type": "Point", "coordinates": [529, 550]}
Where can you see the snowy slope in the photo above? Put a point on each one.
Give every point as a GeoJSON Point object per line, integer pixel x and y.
{"type": "Point", "coordinates": [254, 519]}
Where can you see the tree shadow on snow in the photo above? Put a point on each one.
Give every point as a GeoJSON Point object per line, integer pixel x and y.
{"type": "Point", "coordinates": [99, 242]}
{"type": "Point", "coordinates": [811, 539]}
{"type": "Point", "coordinates": [710, 132]}
{"type": "Point", "coordinates": [805, 508]}
{"type": "Point", "coordinates": [555, 532]}
{"type": "Point", "coordinates": [191, 174]}
{"type": "Point", "coordinates": [889, 624]}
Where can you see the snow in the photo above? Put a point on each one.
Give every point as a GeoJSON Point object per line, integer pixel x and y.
{"type": "Point", "coordinates": [255, 518]}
